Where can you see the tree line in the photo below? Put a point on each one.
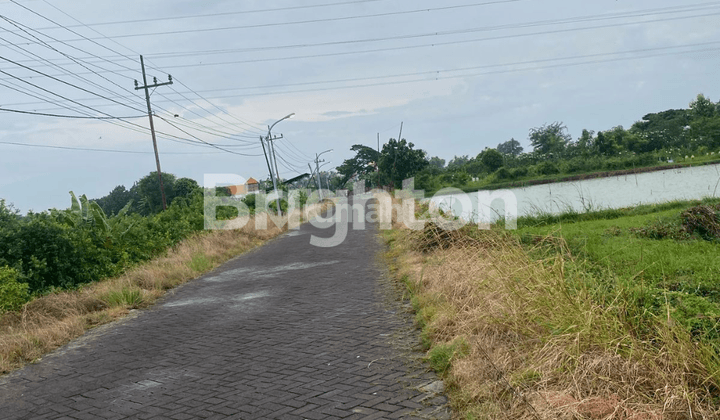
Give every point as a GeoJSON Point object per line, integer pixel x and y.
{"type": "Point", "coordinates": [674, 135]}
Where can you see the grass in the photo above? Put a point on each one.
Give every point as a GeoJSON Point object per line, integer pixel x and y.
{"type": "Point", "coordinates": [674, 276]}
{"type": "Point", "coordinates": [548, 331]}
{"type": "Point", "coordinates": [51, 321]}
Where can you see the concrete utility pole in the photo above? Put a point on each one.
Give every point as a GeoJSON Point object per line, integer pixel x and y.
{"type": "Point", "coordinates": [317, 170]}
{"type": "Point", "coordinates": [317, 180]}
{"type": "Point", "coordinates": [270, 139]}
{"type": "Point", "coordinates": [152, 125]}
{"type": "Point", "coordinates": [272, 176]}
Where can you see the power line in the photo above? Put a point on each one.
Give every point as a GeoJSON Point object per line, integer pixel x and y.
{"type": "Point", "coordinates": [221, 14]}
{"type": "Point", "coordinates": [439, 76]}
{"type": "Point", "coordinates": [125, 56]}
{"type": "Point", "coordinates": [456, 42]}
{"type": "Point", "coordinates": [581, 19]}
{"type": "Point", "coordinates": [62, 69]}
{"type": "Point", "coordinates": [68, 116]}
{"type": "Point", "coordinates": [86, 52]}
{"type": "Point", "coordinates": [322, 20]}
{"type": "Point", "coordinates": [47, 146]}
{"type": "Point", "coordinates": [437, 73]}
{"type": "Point", "coordinates": [203, 141]}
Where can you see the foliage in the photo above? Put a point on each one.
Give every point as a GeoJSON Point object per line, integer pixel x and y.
{"type": "Point", "coordinates": [13, 294]}
{"type": "Point", "coordinates": [399, 161]}
{"type": "Point", "coordinates": [458, 162]}
{"type": "Point", "coordinates": [362, 164]}
{"type": "Point", "coordinates": [550, 139]}
{"type": "Point", "coordinates": [62, 249]}
{"type": "Point", "coordinates": [437, 162]}
{"type": "Point", "coordinates": [511, 147]}
{"type": "Point", "coordinates": [547, 168]}
{"type": "Point", "coordinates": [491, 159]}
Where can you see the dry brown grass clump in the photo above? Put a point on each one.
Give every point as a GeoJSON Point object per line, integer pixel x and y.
{"type": "Point", "coordinates": [703, 220]}
{"type": "Point", "coordinates": [522, 338]}
{"type": "Point", "coordinates": [51, 321]}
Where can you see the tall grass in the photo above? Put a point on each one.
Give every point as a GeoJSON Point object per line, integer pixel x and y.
{"type": "Point", "coordinates": [538, 344]}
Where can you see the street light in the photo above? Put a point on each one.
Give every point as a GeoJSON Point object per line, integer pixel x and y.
{"type": "Point", "coordinates": [272, 145]}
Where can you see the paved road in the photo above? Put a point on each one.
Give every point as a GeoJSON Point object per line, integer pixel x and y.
{"type": "Point", "coordinates": [289, 331]}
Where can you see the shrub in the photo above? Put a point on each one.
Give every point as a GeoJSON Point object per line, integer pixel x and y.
{"type": "Point", "coordinates": [12, 293]}
{"type": "Point", "coordinates": [548, 168]}
{"type": "Point", "coordinates": [503, 173]}
{"type": "Point", "coordinates": [519, 172]}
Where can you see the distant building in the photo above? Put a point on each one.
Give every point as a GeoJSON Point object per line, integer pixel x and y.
{"type": "Point", "coordinates": [250, 187]}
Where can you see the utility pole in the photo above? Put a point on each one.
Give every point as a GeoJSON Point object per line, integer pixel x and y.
{"type": "Point", "coordinates": [396, 150]}
{"type": "Point", "coordinates": [273, 158]}
{"type": "Point", "coordinates": [316, 180]}
{"type": "Point", "coordinates": [152, 125]}
{"type": "Point", "coordinates": [377, 164]}
{"type": "Point", "coordinates": [270, 138]}
{"type": "Point", "coordinates": [317, 167]}
{"type": "Point", "coordinates": [317, 171]}
{"type": "Point", "coordinates": [272, 176]}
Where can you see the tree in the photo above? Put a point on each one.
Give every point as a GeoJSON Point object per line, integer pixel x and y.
{"type": "Point", "coordinates": [363, 164]}
{"type": "Point", "coordinates": [399, 161]}
{"type": "Point", "coordinates": [585, 142]}
{"type": "Point", "coordinates": [458, 162]}
{"type": "Point", "coordinates": [702, 107]}
{"type": "Point", "coordinates": [186, 187]}
{"type": "Point", "coordinates": [115, 200]}
{"type": "Point", "coordinates": [664, 129]}
{"type": "Point", "coordinates": [605, 144]}
{"type": "Point", "coordinates": [491, 159]}
{"type": "Point", "coordinates": [552, 138]}
{"type": "Point", "coordinates": [437, 162]}
{"type": "Point", "coordinates": [148, 191]}
{"type": "Point", "coordinates": [511, 147]}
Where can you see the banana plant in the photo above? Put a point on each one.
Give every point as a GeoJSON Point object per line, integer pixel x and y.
{"type": "Point", "coordinates": [84, 211]}
{"type": "Point", "coordinates": [79, 211]}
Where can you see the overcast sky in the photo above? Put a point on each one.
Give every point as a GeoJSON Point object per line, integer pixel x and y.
{"type": "Point", "coordinates": [461, 74]}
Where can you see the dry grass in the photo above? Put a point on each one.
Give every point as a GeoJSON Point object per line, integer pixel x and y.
{"type": "Point", "coordinates": [51, 321]}
{"type": "Point", "coordinates": [535, 344]}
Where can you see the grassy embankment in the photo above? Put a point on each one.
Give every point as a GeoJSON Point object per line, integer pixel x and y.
{"type": "Point", "coordinates": [53, 320]}
{"type": "Point", "coordinates": [607, 315]}
{"type": "Point", "coordinates": [492, 183]}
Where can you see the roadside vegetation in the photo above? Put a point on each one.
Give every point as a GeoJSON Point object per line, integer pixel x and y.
{"type": "Point", "coordinates": [606, 315]}
{"type": "Point", "coordinates": [64, 271]}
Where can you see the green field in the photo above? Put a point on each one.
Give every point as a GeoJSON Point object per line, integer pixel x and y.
{"type": "Point", "coordinates": [642, 256]}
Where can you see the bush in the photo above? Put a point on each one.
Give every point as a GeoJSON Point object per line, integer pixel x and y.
{"type": "Point", "coordinates": [503, 173]}
{"type": "Point", "coordinates": [12, 293]}
{"type": "Point", "coordinates": [547, 168]}
{"type": "Point", "coordinates": [520, 172]}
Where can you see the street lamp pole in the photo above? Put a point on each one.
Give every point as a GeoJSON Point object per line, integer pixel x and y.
{"type": "Point", "coordinates": [270, 140]}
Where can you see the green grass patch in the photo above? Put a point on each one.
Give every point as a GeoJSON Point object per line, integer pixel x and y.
{"type": "Point", "coordinates": [200, 263]}
{"type": "Point", "coordinates": [442, 355]}
{"type": "Point", "coordinates": [126, 297]}
{"type": "Point", "coordinates": [647, 257]}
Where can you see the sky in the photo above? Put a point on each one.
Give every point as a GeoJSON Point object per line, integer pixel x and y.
{"type": "Point", "coordinates": [461, 75]}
